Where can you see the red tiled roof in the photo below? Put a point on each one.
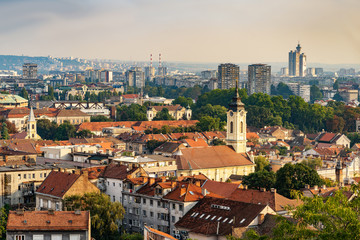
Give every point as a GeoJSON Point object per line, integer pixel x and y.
{"type": "Point", "coordinates": [197, 142]}
{"type": "Point", "coordinates": [326, 137]}
{"type": "Point", "coordinates": [221, 188]}
{"type": "Point", "coordinates": [94, 172]}
{"type": "Point", "coordinates": [130, 96]}
{"type": "Point", "coordinates": [57, 183]}
{"type": "Point", "coordinates": [43, 221]}
{"type": "Point", "coordinates": [206, 219]}
{"type": "Point", "coordinates": [159, 233]}
{"type": "Point", "coordinates": [188, 192]}
{"type": "Point", "coordinates": [252, 135]}
{"type": "Point", "coordinates": [170, 107]}
{"type": "Point", "coordinates": [115, 171]}
{"type": "Point", "coordinates": [211, 157]}
{"type": "Point", "coordinates": [274, 200]}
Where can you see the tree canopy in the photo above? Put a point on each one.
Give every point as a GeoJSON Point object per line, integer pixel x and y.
{"type": "Point", "coordinates": [105, 215]}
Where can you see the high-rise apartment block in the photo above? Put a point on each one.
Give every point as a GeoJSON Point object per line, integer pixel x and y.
{"type": "Point", "coordinates": [228, 74]}
{"type": "Point", "coordinates": [149, 73]}
{"type": "Point", "coordinates": [30, 70]}
{"type": "Point", "coordinates": [297, 62]}
{"type": "Point", "coordinates": [302, 90]}
{"type": "Point", "coordinates": [106, 76]}
{"type": "Point", "coordinates": [162, 71]}
{"type": "Point", "coordinates": [135, 78]}
{"type": "Point", "coordinates": [259, 78]}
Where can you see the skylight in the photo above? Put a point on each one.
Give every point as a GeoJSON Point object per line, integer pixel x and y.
{"type": "Point", "coordinates": [196, 214]}
{"type": "Point", "coordinates": [225, 220]}
{"type": "Point", "coordinates": [213, 218]}
{"type": "Point", "coordinates": [231, 220]}
{"type": "Point", "coordinates": [219, 218]}
{"type": "Point", "coordinates": [193, 214]}
{"type": "Point", "coordinates": [201, 215]}
{"type": "Point", "coordinates": [208, 216]}
{"type": "Point", "coordinates": [191, 192]}
{"type": "Point", "coordinates": [242, 220]}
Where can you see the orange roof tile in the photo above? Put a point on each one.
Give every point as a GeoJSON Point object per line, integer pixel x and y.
{"type": "Point", "coordinates": [43, 221]}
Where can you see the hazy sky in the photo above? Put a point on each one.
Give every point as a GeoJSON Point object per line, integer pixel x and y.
{"type": "Point", "coordinates": [183, 30]}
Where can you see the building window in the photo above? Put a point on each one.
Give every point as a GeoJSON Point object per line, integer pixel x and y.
{"type": "Point", "coordinates": [38, 237]}
{"type": "Point", "coordinates": [242, 127]}
{"type": "Point", "coordinates": [24, 176]}
{"type": "Point", "coordinates": [144, 213]}
{"type": "Point", "coordinates": [74, 236]}
{"type": "Point", "coordinates": [181, 207]}
{"type": "Point", "coordinates": [40, 175]}
{"type": "Point", "coordinates": [144, 200]}
{"type": "Point", "coordinates": [151, 202]}
{"type": "Point", "coordinates": [49, 204]}
{"type": "Point", "coordinates": [113, 184]}
{"type": "Point", "coordinates": [33, 175]}
{"type": "Point", "coordinates": [57, 206]}
{"type": "Point", "coordinates": [119, 184]}
{"type": "Point", "coordinates": [32, 126]}
{"type": "Point", "coordinates": [29, 175]}
{"type": "Point", "coordinates": [56, 237]}
{"type": "Point", "coordinates": [173, 219]}
{"type": "Point", "coordinates": [173, 206]}
{"type": "Point", "coordinates": [158, 203]}
{"type": "Point", "coordinates": [19, 187]}
{"type": "Point", "coordinates": [151, 214]}
{"type": "Point", "coordinates": [41, 203]}
{"type": "Point", "coordinates": [231, 127]}
{"type": "Point", "coordinates": [44, 174]}
{"type": "Point", "coordinates": [114, 199]}
{"type": "Point", "coordinates": [19, 176]}
{"type": "Point", "coordinates": [19, 237]}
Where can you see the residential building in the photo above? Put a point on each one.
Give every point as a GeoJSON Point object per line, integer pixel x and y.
{"type": "Point", "coordinates": [349, 94]}
{"type": "Point", "coordinates": [112, 179]}
{"type": "Point", "coordinates": [106, 76]}
{"type": "Point", "coordinates": [21, 181]}
{"type": "Point", "coordinates": [301, 90]}
{"type": "Point", "coordinates": [12, 101]}
{"type": "Point", "coordinates": [30, 70]}
{"type": "Point", "coordinates": [228, 75]}
{"type": "Point", "coordinates": [149, 73]}
{"type": "Point", "coordinates": [259, 78]}
{"type": "Point", "coordinates": [297, 62]}
{"type": "Point", "coordinates": [215, 218]}
{"type": "Point", "coordinates": [40, 225]}
{"type": "Point", "coordinates": [20, 116]}
{"type": "Point", "coordinates": [333, 138]}
{"type": "Point", "coordinates": [135, 78]}
{"type": "Point", "coordinates": [65, 152]}
{"type": "Point", "coordinates": [58, 185]}
{"type": "Point", "coordinates": [176, 111]}
{"type": "Point", "coordinates": [162, 71]}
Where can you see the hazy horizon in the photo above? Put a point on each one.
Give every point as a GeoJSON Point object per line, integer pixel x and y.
{"type": "Point", "coordinates": [202, 31]}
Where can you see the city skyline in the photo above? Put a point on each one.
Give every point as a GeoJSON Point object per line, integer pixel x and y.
{"type": "Point", "coordinates": [131, 30]}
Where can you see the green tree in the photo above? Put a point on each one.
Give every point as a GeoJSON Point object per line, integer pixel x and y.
{"type": "Point", "coordinates": [24, 93]}
{"type": "Point", "coordinates": [152, 144]}
{"type": "Point", "coordinates": [313, 163]}
{"type": "Point", "coordinates": [46, 129]}
{"type": "Point", "coordinates": [100, 118]}
{"type": "Point", "coordinates": [4, 131]}
{"type": "Point", "coordinates": [217, 142]}
{"type": "Point", "coordinates": [183, 101]}
{"type": "Point", "coordinates": [65, 131]}
{"type": "Point", "coordinates": [282, 89]}
{"type": "Point", "coordinates": [4, 213]}
{"type": "Point", "coordinates": [134, 112]}
{"type": "Point", "coordinates": [315, 93]}
{"type": "Point", "coordinates": [132, 236]}
{"type": "Point", "coordinates": [262, 164]}
{"type": "Point", "coordinates": [208, 123]}
{"type": "Point", "coordinates": [338, 97]}
{"type": "Point", "coordinates": [336, 85]}
{"type": "Point", "coordinates": [85, 133]}
{"type": "Point", "coordinates": [105, 215]}
{"type": "Point", "coordinates": [163, 115]}
{"type": "Point", "coordinates": [294, 177]}
{"type": "Point", "coordinates": [260, 179]}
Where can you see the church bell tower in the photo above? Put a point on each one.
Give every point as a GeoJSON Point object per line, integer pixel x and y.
{"type": "Point", "coordinates": [236, 124]}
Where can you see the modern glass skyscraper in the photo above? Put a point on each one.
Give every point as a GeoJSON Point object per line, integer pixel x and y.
{"type": "Point", "coordinates": [259, 78]}
{"type": "Point", "coordinates": [297, 62]}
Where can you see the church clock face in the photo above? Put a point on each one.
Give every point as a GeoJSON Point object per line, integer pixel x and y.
{"type": "Point", "coordinates": [231, 113]}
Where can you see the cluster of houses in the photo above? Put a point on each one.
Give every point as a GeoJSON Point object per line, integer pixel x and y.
{"type": "Point", "coordinates": [185, 185]}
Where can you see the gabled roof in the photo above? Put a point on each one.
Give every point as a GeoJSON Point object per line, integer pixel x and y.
{"type": "Point", "coordinates": [71, 113]}
{"type": "Point", "coordinates": [197, 142]}
{"type": "Point", "coordinates": [221, 188]}
{"type": "Point", "coordinates": [115, 171]}
{"type": "Point", "coordinates": [176, 107]}
{"type": "Point", "coordinates": [326, 137]}
{"type": "Point", "coordinates": [210, 157]}
{"type": "Point", "coordinates": [157, 232]}
{"type": "Point", "coordinates": [215, 216]}
{"type": "Point", "coordinates": [273, 199]}
{"type": "Point", "coordinates": [57, 183]}
{"type": "Point", "coordinates": [188, 192]}
{"type": "Point", "coordinates": [44, 221]}
{"type": "Point", "coordinates": [168, 147]}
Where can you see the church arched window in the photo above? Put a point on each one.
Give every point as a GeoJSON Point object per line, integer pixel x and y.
{"type": "Point", "coordinates": [242, 127]}
{"type": "Point", "coordinates": [231, 127]}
